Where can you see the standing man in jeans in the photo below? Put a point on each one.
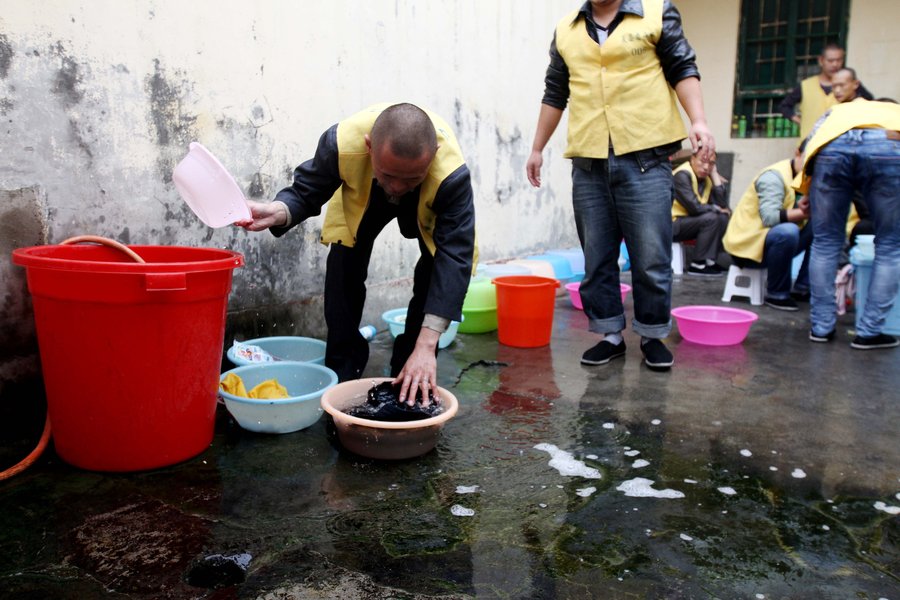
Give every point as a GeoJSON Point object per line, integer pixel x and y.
{"type": "Point", "coordinates": [619, 64]}
{"type": "Point", "coordinates": [854, 147]}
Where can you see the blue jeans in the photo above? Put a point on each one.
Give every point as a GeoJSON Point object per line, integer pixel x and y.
{"type": "Point", "coordinates": [783, 243]}
{"type": "Point", "coordinates": [866, 160]}
{"type": "Point", "coordinates": [618, 197]}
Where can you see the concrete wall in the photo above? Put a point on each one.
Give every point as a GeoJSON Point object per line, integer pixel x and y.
{"type": "Point", "coordinates": [100, 100]}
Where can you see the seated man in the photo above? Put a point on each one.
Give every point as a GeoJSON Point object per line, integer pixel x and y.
{"type": "Point", "coordinates": [767, 231]}
{"type": "Point", "coordinates": [700, 212]}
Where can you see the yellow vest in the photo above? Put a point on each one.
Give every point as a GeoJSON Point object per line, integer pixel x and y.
{"type": "Point", "coordinates": [349, 203]}
{"type": "Point", "coordinates": [746, 236]}
{"type": "Point", "coordinates": [678, 209]}
{"type": "Point", "coordinates": [852, 220]}
{"type": "Point", "coordinates": [813, 104]}
{"type": "Point", "coordinates": [858, 114]}
{"type": "Point", "coordinates": [618, 91]}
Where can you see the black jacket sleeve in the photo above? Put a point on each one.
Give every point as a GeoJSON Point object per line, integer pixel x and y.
{"type": "Point", "coordinates": [684, 195]}
{"type": "Point", "coordinates": [863, 92]}
{"type": "Point", "coordinates": [556, 81]}
{"type": "Point", "coordinates": [719, 195]}
{"type": "Point", "coordinates": [454, 240]}
{"type": "Point", "coordinates": [315, 182]}
{"type": "Point", "coordinates": [788, 106]}
{"type": "Point", "coordinates": [676, 55]}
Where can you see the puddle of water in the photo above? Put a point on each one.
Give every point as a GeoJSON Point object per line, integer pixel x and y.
{"type": "Point", "coordinates": [529, 494]}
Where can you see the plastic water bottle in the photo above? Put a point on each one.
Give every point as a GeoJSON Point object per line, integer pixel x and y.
{"type": "Point", "coordinates": [368, 332]}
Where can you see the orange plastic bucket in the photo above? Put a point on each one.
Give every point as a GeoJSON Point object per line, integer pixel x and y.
{"type": "Point", "coordinates": [525, 306]}
{"type": "Point", "coordinates": [130, 352]}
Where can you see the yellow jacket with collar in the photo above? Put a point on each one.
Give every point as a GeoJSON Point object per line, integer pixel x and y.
{"type": "Point", "coordinates": [678, 210]}
{"type": "Point", "coordinates": [746, 235]}
{"type": "Point", "coordinates": [618, 92]}
{"type": "Point", "coordinates": [813, 104]}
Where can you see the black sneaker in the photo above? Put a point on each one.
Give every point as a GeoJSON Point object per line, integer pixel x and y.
{"type": "Point", "coordinates": [656, 355]}
{"type": "Point", "coordinates": [602, 353]}
{"type": "Point", "coordinates": [874, 342]}
{"type": "Point", "coordinates": [822, 339]}
{"type": "Point", "coordinates": [800, 295]}
{"type": "Point", "coordinates": [706, 271]}
{"type": "Point", "coordinates": [778, 304]}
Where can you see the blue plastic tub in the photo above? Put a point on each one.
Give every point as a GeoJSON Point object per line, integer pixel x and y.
{"type": "Point", "coordinates": [501, 270]}
{"type": "Point", "coordinates": [862, 268]}
{"type": "Point", "coordinates": [305, 382]}
{"type": "Point", "coordinates": [396, 321]}
{"type": "Point", "coordinates": [575, 256]}
{"type": "Point", "coordinates": [562, 268]}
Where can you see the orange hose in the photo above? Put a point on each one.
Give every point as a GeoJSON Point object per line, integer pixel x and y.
{"type": "Point", "coordinates": [45, 436]}
{"type": "Point", "coordinates": [106, 242]}
{"type": "Point", "coordinates": [35, 454]}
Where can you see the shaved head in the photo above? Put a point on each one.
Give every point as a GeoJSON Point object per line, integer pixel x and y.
{"type": "Point", "coordinates": [406, 130]}
{"type": "Point", "coordinates": [845, 85]}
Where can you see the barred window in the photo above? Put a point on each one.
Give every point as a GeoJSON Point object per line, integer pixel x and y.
{"type": "Point", "coordinates": [779, 44]}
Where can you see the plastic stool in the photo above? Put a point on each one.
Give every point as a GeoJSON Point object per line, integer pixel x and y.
{"type": "Point", "coordinates": [677, 259]}
{"type": "Point", "coordinates": [755, 289]}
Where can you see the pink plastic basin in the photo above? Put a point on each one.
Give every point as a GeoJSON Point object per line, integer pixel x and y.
{"type": "Point", "coordinates": [713, 325]}
{"type": "Point", "coordinates": [575, 297]}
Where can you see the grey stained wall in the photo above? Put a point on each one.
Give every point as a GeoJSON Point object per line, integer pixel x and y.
{"type": "Point", "coordinates": [99, 101]}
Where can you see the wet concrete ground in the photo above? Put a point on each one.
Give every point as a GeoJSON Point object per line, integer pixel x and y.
{"type": "Point", "coordinates": [785, 454]}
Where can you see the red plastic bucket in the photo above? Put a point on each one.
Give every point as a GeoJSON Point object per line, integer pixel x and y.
{"type": "Point", "coordinates": [525, 310]}
{"type": "Point", "coordinates": [130, 351]}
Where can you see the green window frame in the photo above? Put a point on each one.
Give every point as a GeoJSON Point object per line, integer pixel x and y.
{"type": "Point", "coordinates": [778, 45]}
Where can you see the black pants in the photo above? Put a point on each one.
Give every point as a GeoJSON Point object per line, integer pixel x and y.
{"type": "Point", "coordinates": [707, 228]}
{"type": "Point", "coordinates": [347, 352]}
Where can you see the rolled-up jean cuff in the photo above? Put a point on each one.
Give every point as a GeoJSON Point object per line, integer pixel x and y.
{"type": "Point", "coordinates": [610, 325]}
{"type": "Point", "coordinates": [651, 331]}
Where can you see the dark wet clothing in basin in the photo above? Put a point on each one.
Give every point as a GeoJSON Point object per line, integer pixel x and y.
{"type": "Point", "coordinates": [382, 404]}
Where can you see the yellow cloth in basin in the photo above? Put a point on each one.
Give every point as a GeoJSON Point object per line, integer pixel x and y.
{"type": "Point", "coordinates": [267, 390]}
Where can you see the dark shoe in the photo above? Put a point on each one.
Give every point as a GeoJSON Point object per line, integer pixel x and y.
{"type": "Point", "coordinates": [800, 295]}
{"type": "Point", "coordinates": [656, 355]}
{"type": "Point", "coordinates": [706, 271]}
{"type": "Point", "coordinates": [823, 339]}
{"type": "Point", "coordinates": [602, 353]}
{"type": "Point", "coordinates": [786, 304]}
{"type": "Point", "coordinates": [874, 342]}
